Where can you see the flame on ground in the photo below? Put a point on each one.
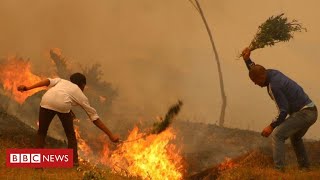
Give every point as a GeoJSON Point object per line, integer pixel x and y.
{"type": "Point", "coordinates": [84, 149]}
{"type": "Point", "coordinates": [151, 157]}
{"type": "Point", "coordinates": [146, 157]}
{"type": "Point", "coordinates": [226, 164]}
{"type": "Point", "coordinates": [15, 72]}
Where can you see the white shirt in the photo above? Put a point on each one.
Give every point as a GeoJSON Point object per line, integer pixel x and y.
{"type": "Point", "coordinates": [63, 94]}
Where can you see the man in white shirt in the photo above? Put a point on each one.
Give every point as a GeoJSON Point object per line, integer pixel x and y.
{"type": "Point", "coordinates": [59, 99]}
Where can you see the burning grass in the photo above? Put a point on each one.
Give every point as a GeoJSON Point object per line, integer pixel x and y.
{"type": "Point", "coordinates": [140, 156]}
{"type": "Point", "coordinates": [252, 165]}
{"type": "Point", "coordinates": [152, 157]}
{"type": "Point", "coordinates": [15, 134]}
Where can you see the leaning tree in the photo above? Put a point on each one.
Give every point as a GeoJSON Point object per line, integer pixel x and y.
{"type": "Point", "coordinates": [197, 6]}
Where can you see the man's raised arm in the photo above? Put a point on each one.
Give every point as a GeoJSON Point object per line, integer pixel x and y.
{"type": "Point", "coordinates": [246, 57]}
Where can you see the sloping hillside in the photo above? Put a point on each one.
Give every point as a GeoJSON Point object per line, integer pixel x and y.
{"type": "Point", "coordinates": [258, 164]}
{"type": "Point", "coordinates": [205, 145]}
{"type": "Point", "coordinates": [249, 156]}
{"type": "Point", "coordinates": [210, 152]}
{"type": "Point", "coordinates": [12, 129]}
{"type": "Point", "coordinates": [15, 134]}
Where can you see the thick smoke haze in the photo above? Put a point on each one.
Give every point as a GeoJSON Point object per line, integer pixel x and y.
{"type": "Point", "coordinates": [155, 52]}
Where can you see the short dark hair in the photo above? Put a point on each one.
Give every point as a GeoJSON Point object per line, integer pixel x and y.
{"type": "Point", "coordinates": [78, 79]}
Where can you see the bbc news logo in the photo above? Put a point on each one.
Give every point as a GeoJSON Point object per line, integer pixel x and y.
{"type": "Point", "coordinates": [39, 158]}
{"type": "Point", "coordinates": [25, 158]}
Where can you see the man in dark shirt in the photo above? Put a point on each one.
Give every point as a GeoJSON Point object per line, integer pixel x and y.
{"type": "Point", "coordinates": [291, 100]}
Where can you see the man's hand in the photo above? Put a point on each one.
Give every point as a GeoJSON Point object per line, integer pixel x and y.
{"type": "Point", "coordinates": [115, 138]}
{"type": "Point", "coordinates": [246, 54]}
{"type": "Point", "coordinates": [267, 131]}
{"type": "Point", "coordinates": [22, 88]}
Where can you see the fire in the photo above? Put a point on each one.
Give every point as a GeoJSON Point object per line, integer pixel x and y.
{"type": "Point", "coordinates": [84, 149]}
{"type": "Point", "coordinates": [105, 154]}
{"type": "Point", "coordinates": [15, 72]}
{"type": "Point", "coordinates": [151, 157]}
{"type": "Point", "coordinates": [227, 164]}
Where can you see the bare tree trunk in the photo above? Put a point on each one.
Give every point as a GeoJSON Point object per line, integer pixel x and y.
{"type": "Point", "coordinates": [223, 94]}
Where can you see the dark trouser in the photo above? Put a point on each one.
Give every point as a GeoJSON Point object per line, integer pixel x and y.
{"type": "Point", "coordinates": [45, 118]}
{"type": "Point", "coordinates": [295, 127]}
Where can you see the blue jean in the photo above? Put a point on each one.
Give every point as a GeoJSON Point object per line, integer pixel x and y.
{"type": "Point", "coordinates": [295, 127]}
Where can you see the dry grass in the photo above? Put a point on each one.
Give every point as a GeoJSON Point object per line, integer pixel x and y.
{"type": "Point", "coordinates": [86, 171]}
{"type": "Point", "coordinates": [15, 134]}
{"type": "Point", "coordinates": [269, 173]}
{"type": "Point", "coordinates": [258, 164]}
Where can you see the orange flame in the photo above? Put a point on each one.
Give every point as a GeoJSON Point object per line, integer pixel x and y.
{"type": "Point", "coordinates": [15, 72]}
{"type": "Point", "coordinates": [105, 155]}
{"type": "Point", "coordinates": [226, 164]}
{"type": "Point", "coordinates": [149, 158]}
{"type": "Point", "coordinates": [84, 149]}
{"type": "Point", "coordinates": [146, 157]}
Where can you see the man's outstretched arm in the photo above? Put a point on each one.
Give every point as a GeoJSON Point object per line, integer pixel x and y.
{"type": "Point", "coordinates": [83, 102]}
{"type": "Point", "coordinates": [100, 125]}
{"type": "Point", "coordinates": [45, 82]}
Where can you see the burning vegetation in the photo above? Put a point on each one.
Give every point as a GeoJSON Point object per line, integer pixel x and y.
{"type": "Point", "coordinates": [13, 72]}
{"type": "Point", "coordinates": [150, 155]}
{"type": "Point", "coordinates": [142, 155]}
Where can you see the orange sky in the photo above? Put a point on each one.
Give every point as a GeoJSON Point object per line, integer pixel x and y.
{"type": "Point", "coordinates": [158, 51]}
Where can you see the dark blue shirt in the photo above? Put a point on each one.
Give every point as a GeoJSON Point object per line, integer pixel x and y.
{"type": "Point", "coordinates": [288, 95]}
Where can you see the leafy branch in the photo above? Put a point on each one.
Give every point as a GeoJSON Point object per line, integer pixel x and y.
{"type": "Point", "coordinates": [274, 30]}
{"type": "Point", "coordinates": [158, 127]}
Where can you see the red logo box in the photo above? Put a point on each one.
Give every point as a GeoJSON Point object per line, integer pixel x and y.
{"type": "Point", "coordinates": [39, 158]}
